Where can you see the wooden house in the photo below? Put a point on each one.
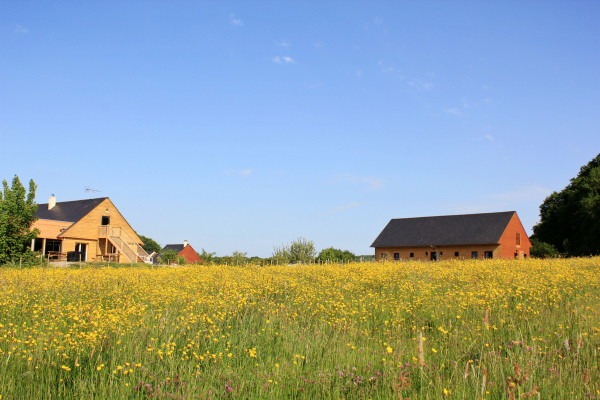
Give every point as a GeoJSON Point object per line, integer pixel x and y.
{"type": "Point", "coordinates": [478, 236]}
{"type": "Point", "coordinates": [185, 250]}
{"type": "Point", "coordinates": [86, 230]}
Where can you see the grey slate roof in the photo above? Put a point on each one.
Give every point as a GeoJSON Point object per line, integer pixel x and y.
{"type": "Point", "coordinates": [444, 230]}
{"type": "Point", "coordinates": [71, 211]}
{"type": "Point", "coordinates": [176, 247]}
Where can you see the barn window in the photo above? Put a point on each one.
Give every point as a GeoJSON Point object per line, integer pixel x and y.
{"type": "Point", "coordinates": [488, 254]}
{"type": "Point", "coordinates": [518, 238]}
{"type": "Point", "coordinates": [412, 254]}
{"type": "Point", "coordinates": [473, 254]}
{"type": "Point", "coordinates": [396, 256]}
{"type": "Point", "coordinates": [426, 253]}
{"type": "Point", "coordinates": [456, 254]}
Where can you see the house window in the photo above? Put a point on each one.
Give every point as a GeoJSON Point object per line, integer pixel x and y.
{"type": "Point", "coordinates": [518, 238]}
{"type": "Point", "coordinates": [456, 254]}
{"type": "Point", "coordinates": [80, 253]}
{"type": "Point", "coordinates": [105, 220]}
{"type": "Point", "coordinates": [524, 255]}
{"type": "Point", "coordinates": [441, 253]}
{"type": "Point", "coordinates": [384, 256]}
{"type": "Point", "coordinates": [473, 254]}
{"type": "Point", "coordinates": [396, 256]}
{"type": "Point", "coordinates": [412, 254]}
{"type": "Point", "coordinates": [426, 253]}
{"type": "Point", "coordinates": [38, 244]}
{"type": "Point", "coordinates": [52, 245]}
{"type": "Point", "coordinates": [488, 254]}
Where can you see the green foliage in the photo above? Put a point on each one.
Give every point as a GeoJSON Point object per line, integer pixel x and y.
{"type": "Point", "coordinates": [299, 251]}
{"type": "Point", "coordinates": [149, 244]}
{"type": "Point", "coordinates": [180, 260]}
{"type": "Point", "coordinates": [17, 216]}
{"type": "Point", "coordinates": [570, 219]}
{"type": "Point", "coordinates": [207, 258]}
{"type": "Point", "coordinates": [331, 254]}
{"type": "Point", "coordinates": [236, 258]}
{"type": "Point", "coordinates": [543, 250]}
{"type": "Point", "coordinates": [168, 257]}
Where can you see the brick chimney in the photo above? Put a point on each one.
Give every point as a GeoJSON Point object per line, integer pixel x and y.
{"type": "Point", "coordinates": [51, 202]}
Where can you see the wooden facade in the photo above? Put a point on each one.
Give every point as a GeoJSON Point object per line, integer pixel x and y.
{"type": "Point", "coordinates": [477, 236]}
{"type": "Point", "coordinates": [86, 230]}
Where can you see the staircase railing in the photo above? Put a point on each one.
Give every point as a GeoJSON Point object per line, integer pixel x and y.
{"type": "Point", "coordinates": [125, 243]}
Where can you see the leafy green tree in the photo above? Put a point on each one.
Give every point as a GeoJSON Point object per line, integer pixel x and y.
{"type": "Point", "coordinates": [168, 256]}
{"type": "Point", "coordinates": [149, 244]}
{"type": "Point", "coordinates": [298, 251]}
{"type": "Point", "coordinates": [17, 216]}
{"type": "Point", "coordinates": [331, 254]}
{"type": "Point", "coordinates": [543, 250]}
{"type": "Point", "coordinates": [207, 258]}
{"type": "Point", "coordinates": [570, 219]}
{"type": "Point", "coordinates": [180, 260]}
{"type": "Point", "coordinates": [236, 258]}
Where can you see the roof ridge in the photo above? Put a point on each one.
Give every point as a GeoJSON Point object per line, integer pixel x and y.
{"type": "Point", "coordinates": [72, 201]}
{"type": "Point", "coordinates": [457, 215]}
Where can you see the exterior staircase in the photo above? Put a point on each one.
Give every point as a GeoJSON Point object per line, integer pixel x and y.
{"type": "Point", "coordinates": [125, 243]}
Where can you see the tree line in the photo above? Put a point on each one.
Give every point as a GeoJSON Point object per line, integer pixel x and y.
{"type": "Point", "coordinates": [569, 226]}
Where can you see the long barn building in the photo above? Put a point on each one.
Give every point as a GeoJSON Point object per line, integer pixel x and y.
{"type": "Point", "coordinates": [477, 236]}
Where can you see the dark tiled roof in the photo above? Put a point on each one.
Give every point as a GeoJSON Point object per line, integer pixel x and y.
{"type": "Point", "coordinates": [176, 247]}
{"type": "Point", "coordinates": [444, 230]}
{"type": "Point", "coordinates": [71, 211]}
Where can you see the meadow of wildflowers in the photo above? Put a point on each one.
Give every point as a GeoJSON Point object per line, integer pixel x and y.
{"type": "Point", "coordinates": [493, 329]}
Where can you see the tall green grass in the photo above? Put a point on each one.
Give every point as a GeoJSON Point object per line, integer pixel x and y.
{"type": "Point", "coordinates": [393, 330]}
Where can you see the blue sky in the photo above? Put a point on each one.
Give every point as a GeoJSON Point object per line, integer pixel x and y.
{"type": "Point", "coordinates": [242, 125]}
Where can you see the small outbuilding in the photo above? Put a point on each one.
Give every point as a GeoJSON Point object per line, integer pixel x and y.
{"type": "Point", "coordinates": [477, 236]}
{"type": "Point", "coordinates": [185, 250]}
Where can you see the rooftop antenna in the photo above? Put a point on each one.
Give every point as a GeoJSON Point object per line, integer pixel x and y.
{"type": "Point", "coordinates": [90, 190]}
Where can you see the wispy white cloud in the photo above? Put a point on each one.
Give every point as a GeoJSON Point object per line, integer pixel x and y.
{"type": "Point", "coordinates": [244, 173]}
{"type": "Point", "coordinates": [504, 201]}
{"type": "Point", "coordinates": [343, 208]}
{"type": "Point", "coordinates": [421, 85]}
{"type": "Point", "coordinates": [283, 44]}
{"type": "Point", "coordinates": [532, 193]}
{"type": "Point", "coordinates": [387, 68]}
{"type": "Point", "coordinates": [359, 73]}
{"type": "Point", "coordinates": [235, 21]}
{"type": "Point", "coordinates": [21, 29]}
{"type": "Point", "coordinates": [453, 111]}
{"type": "Point", "coordinates": [372, 183]}
{"type": "Point", "coordinates": [490, 138]}
{"type": "Point", "coordinates": [283, 60]}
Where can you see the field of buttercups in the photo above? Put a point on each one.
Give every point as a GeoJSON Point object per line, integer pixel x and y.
{"type": "Point", "coordinates": [493, 329]}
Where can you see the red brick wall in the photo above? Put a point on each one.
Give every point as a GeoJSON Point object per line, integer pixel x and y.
{"type": "Point", "coordinates": [464, 252]}
{"type": "Point", "coordinates": [508, 240]}
{"type": "Point", "coordinates": [190, 255]}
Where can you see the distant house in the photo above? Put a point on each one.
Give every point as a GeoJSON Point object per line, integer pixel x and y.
{"type": "Point", "coordinates": [185, 250]}
{"type": "Point", "coordinates": [489, 235]}
{"type": "Point", "coordinates": [86, 230]}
